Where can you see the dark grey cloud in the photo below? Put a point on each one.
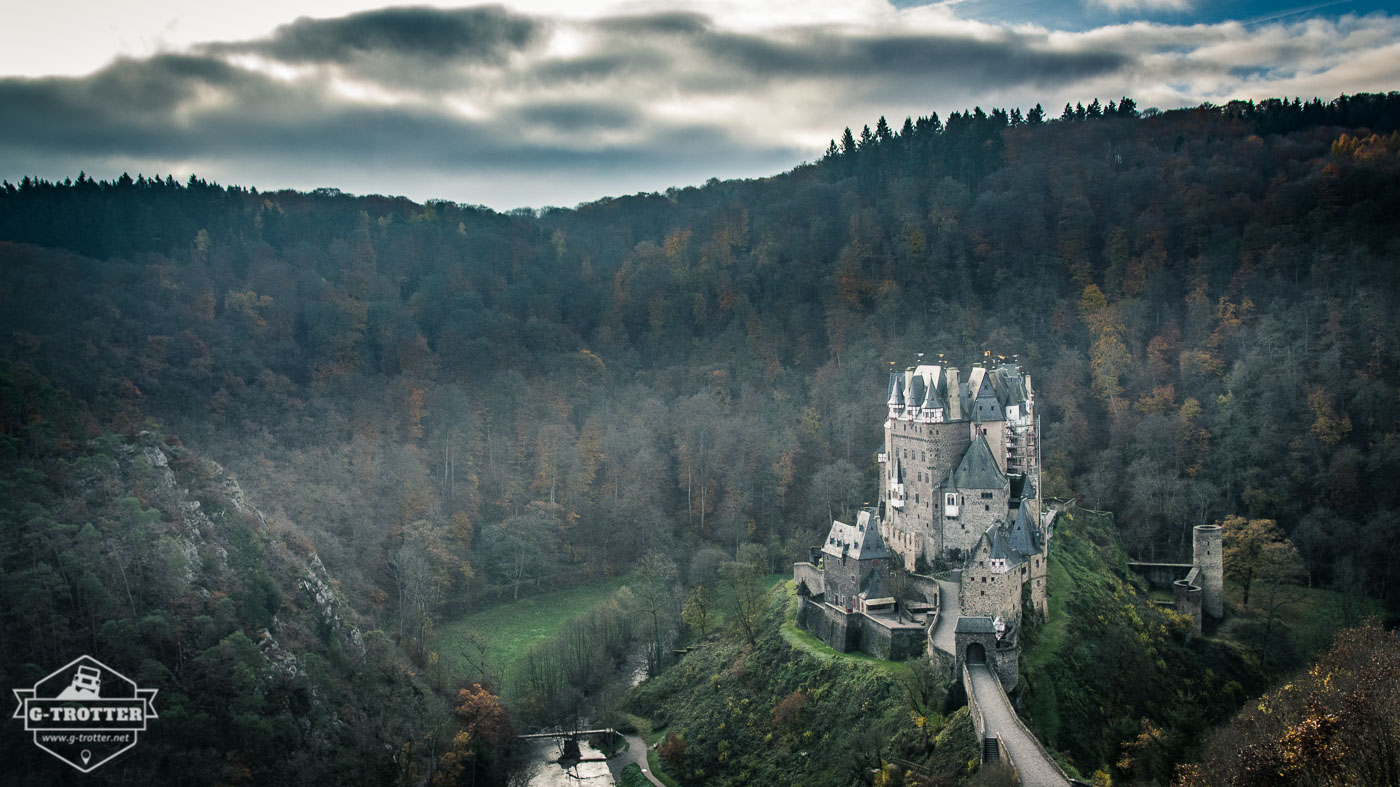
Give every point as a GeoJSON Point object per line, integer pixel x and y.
{"type": "Point", "coordinates": [484, 33]}
{"type": "Point", "coordinates": [579, 116]}
{"type": "Point", "coordinates": [832, 53]}
{"type": "Point", "coordinates": [1008, 59]}
{"type": "Point", "coordinates": [676, 23]}
{"type": "Point", "coordinates": [425, 95]}
{"type": "Point", "coordinates": [131, 104]}
{"type": "Point", "coordinates": [183, 107]}
{"type": "Point", "coordinates": [595, 67]}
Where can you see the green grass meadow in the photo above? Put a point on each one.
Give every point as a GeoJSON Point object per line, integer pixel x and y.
{"type": "Point", "coordinates": [510, 628]}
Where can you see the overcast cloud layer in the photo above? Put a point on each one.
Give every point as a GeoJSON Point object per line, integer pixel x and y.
{"type": "Point", "coordinates": [506, 107]}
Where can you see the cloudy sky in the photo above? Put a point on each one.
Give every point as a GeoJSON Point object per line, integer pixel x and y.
{"type": "Point", "coordinates": [554, 102]}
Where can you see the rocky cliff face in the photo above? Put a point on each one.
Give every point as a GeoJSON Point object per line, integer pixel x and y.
{"type": "Point", "coordinates": [203, 536]}
{"type": "Point", "coordinates": [142, 553]}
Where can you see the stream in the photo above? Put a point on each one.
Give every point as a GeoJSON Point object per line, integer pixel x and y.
{"type": "Point", "coordinates": [544, 769]}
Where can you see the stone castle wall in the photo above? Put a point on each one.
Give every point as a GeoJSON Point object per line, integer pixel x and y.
{"type": "Point", "coordinates": [996, 439]}
{"type": "Point", "coordinates": [1186, 596]}
{"type": "Point", "coordinates": [855, 631]}
{"type": "Point", "coordinates": [984, 593]}
{"type": "Point", "coordinates": [889, 643]}
{"type": "Point", "coordinates": [1040, 597]}
{"type": "Point", "coordinates": [975, 515]}
{"type": "Point", "coordinates": [1160, 575]}
{"type": "Point", "coordinates": [811, 575]}
{"type": "Point", "coordinates": [1007, 662]}
{"type": "Point", "coordinates": [831, 625]}
{"type": "Point", "coordinates": [928, 453]}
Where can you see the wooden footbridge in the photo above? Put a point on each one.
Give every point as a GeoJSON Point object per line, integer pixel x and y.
{"type": "Point", "coordinates": [566, 734]}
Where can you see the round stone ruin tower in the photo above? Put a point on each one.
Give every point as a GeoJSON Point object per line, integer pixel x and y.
{"type": "Point", "coordinates": [1207, 553]}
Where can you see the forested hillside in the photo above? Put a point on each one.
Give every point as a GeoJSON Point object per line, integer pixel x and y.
{"type": "Point", "coordinates": [139, 549]}
{"type": "Point", "coordinates": [447, 404]}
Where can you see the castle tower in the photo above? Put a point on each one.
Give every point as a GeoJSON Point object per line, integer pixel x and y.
{"type": "Point", "coordinates": [1206, 552]}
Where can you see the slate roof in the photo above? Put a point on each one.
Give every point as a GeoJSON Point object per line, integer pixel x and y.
{"type": "Point", "coordinates": [1008, 385]}
{"type": "Point", "coordinates": [932, 399]}
{"type": "Point", "coordinates": [1002, 548]}
{"type": "Point", "coordinates": [1025, 538]}
{"type": "Point", "coordinates": [860, 541]}
{"type": "Point", "coordinates": [977, 470]}
{"type": "Point", "coordinates": [978, 625]}
{"type": "Point", "coordinates": [986, 407]}
{"type": "Point", "coordinates": [983, 396]}
{"type": "Point", "coordinates": [1022, 488]}
{"type": "Point", "coordinates": [872, 587]}
{"type": "Point", "coordinates": [1001, 544]}
{"type": "Point", "coordinates": [917, 390]}
{"type": "Point", "coordinates": [896, 388]}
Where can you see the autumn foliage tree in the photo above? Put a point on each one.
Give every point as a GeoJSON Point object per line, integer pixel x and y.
{"type": "Point", "coordinates": [672, 750]}
{"type": "Point", "coordinates": [1338, 723]}
{"type": "Point", "coordinates": [1256, 549]}
{"type": "Point", "coordinates": [480, 743]}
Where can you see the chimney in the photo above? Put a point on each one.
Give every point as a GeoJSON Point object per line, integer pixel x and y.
{"type": "Point", "coordinates": [954, 398]}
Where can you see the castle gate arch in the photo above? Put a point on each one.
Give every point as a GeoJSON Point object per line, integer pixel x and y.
{"type": "Point", "coordinates": [976, 654]}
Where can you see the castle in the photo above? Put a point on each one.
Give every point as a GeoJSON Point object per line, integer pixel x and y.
{"type": "Point", "coordinates": [959, 481]}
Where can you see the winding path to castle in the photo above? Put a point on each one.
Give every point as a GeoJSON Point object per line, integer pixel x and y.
{"type": "Point", "coordinates": [984, 689]}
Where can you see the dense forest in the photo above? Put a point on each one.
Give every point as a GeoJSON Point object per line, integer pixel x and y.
{"type": "Point", "coordinates": [446, 405]}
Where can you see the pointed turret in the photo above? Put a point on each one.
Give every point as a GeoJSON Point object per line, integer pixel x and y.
{"type": "Point", "coordinates": [896, 399]}
{"type": "Point", "coordinates": [1025, 537]}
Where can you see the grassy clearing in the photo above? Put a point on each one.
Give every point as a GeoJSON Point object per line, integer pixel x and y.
{"type": "Point", "coordinates": [510, 628]}
{"type": "Point", "coordinates": [1314, 618]}
{"type": "Point", "coordinates": [645, 731]}
{"type": "Point", "coordinates": [632, 777]}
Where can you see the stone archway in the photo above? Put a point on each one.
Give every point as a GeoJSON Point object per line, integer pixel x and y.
{"type": "Point", "coordinates": [976, 654]}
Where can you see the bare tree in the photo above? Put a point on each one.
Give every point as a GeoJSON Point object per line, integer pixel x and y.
{"type": "Point", "coordinates": [655, 591]}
